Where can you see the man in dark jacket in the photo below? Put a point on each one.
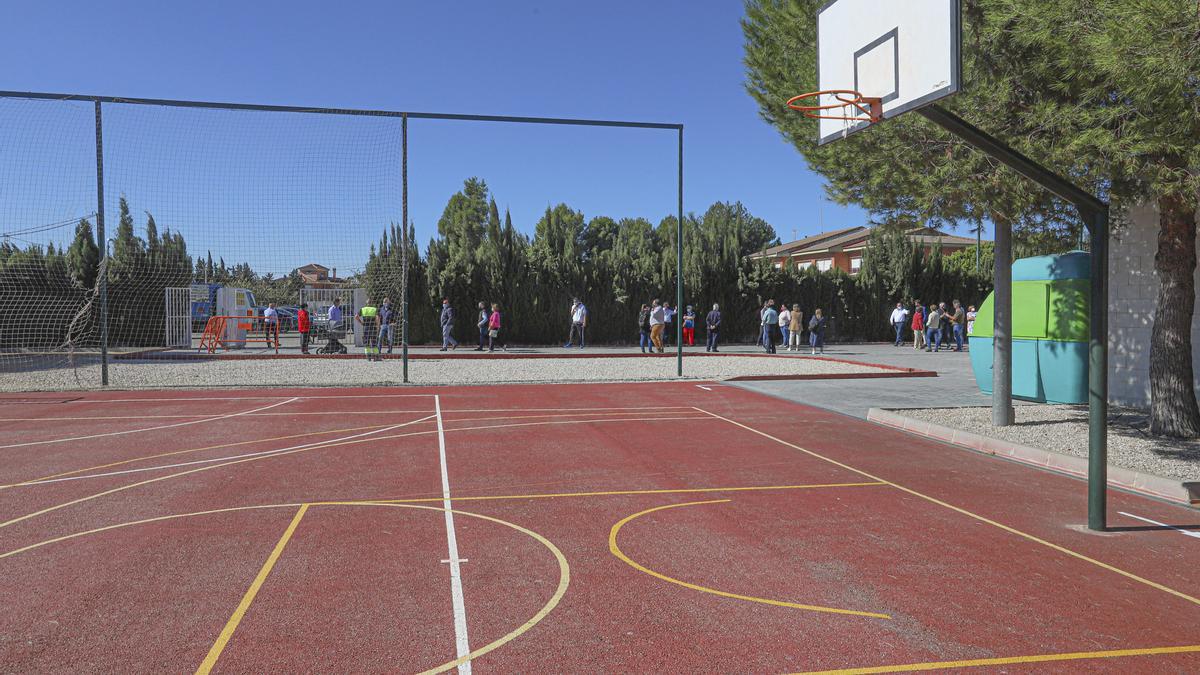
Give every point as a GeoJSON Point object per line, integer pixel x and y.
{"type": "Point", "coordinates": [447, 321]}
{"type": "Point", "coordinates": [644, 329]}
{"type": "Point", "coordinates": [714, 327]}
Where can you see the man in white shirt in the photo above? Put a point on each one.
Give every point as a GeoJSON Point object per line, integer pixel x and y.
{"type": "Point", "coordinates": [578, 323]}
{"type": "Point", "coordinates": [668, 317]}
{"type": "Point", "coordinates": [270, 325]}
{"type": "Point", "coordinates": [898, 319]}
{"type": "Point", "coordinates": [785, 320]}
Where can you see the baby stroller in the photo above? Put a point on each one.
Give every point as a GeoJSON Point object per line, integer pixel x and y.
{"type": "Point", "coordinates": [332, 336]}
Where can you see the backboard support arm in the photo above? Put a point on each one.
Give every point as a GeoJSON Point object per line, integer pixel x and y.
{"type": "Point", "coordinates": [1095, 214]}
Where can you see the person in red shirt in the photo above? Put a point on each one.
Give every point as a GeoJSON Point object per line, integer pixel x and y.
{"type": "Point", "coordinates": [918, 325]}
{"type": "Point", "coordinates": [303, 325]}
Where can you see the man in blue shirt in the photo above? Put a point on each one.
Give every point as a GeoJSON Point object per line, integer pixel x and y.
{"type": "Point", "coordinates": [770, 321]}
{"type": "Point", "coordinates": [714, 327]}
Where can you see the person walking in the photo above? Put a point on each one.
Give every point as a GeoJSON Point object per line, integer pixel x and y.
{"type": "Point", "coordinates": [271, 325]}
{"type": "Point", "coordinates": [714, 327]}
{"type": "Point", "coordinates": [769, 322]}
{"type": "Point", "coordinates": [898, 319]}
{"type": "Point", "coordinates": [447, 323]}
{"type": "Point", "coordinates": [795, 328]}
{"type": "Point", "coordinates": [959, 319]}
{"type": "Point", "coordinates": [668, 318]}
{"type": "Point", "coordinates": [971, 314]}
{"type": "Point", "coordinates": [761, 313]}
{"type": "Point", "coordinates": [481, 322]}
{"type": "Point", "coordinates": [367, 317]}
{"type": "Point", "coordinates": [387, 324]}
{"type": "Point", "coordinates": [493, 330]}
{"type": "Point", "coordinates": [579, 317]}
{"type": "Point", "coordinates": [816, 331]}
{"type": "Point", "coordinates": [918, 325]}
{"type": "Point", "coordinates": [785, 323]}
{"type": "Point", "coordinates": [643, 322]}
{"type": "Point", "coordinates": [656, 326]}
{"type": "Point", "coordinates": [689, 326]}
{"type": "Point", "coordinates": [304, 325]}
{"type": "Point", "coordinates": [933, 330]}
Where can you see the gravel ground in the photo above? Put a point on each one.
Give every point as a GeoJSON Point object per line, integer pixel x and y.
{"type": "Point", "coordinates": [1064, 429]}
{"type": "Point", "coordinates": [346, 372]}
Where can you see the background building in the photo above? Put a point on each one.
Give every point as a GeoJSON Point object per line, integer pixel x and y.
{"type": "Point", "coordinates": [843, 249]}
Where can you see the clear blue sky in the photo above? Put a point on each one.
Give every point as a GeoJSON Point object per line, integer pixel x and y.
{"type": "Point", "coordinates": [224, 178]}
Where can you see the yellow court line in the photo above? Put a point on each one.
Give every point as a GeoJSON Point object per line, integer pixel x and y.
{"type": "Point", "coordinates": [323, 446]}
{"type": "Point", "coordinates": [1011, 660]}
{"type": "Point", "coordinates": [214, 652]}
{"type": "Point", "coordinates": [970, 514]}
{"type": "Point", "coordinates": [616, 551]}
{"type": "Point", "coordinates": [608, 493]}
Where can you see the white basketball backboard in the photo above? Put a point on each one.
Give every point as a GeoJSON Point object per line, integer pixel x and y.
{"type": "Point", "coordinates": [905, 52]}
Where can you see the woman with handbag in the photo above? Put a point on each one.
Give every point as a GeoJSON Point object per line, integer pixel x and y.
{"type": "Point", "coordinates": [494, 330]}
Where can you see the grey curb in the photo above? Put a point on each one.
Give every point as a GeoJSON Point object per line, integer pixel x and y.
{"type": "Point", "coordinates": [1172, 490]}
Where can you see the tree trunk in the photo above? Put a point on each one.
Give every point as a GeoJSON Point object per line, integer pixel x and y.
{"type": "Point", "coordinates": [1173, 409]}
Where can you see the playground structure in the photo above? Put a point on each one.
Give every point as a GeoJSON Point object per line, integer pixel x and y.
{"type": "Point", "coordinates": [235, 332]}
{"type": "Point", "coordinates": [1049, 334]}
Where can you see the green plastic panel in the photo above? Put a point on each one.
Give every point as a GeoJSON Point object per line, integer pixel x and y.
{"type": "Point", "coordinates": [1030, 300]}
{"type": "Point", "coordinates": [1070, 307]}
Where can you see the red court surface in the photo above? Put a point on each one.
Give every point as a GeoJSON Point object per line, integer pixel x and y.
{"type": "Point", "coordinates": [558, 528]}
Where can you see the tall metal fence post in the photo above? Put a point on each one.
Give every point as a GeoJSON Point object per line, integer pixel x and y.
{"type": "Point", "coordinates": [404, 239]}
{"type": "Point", "coordinates": [102, 277]}
{"type": "Point", "coordinates": [679, 267]}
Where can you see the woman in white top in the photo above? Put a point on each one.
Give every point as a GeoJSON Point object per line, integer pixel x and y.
{"type": "Point", "coordinates": [785, 321]}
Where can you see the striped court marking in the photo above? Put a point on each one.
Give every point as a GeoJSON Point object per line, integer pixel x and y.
{"type": "Point", "coordinates": [138, 431]}
{"type": "Point", "coordinates": [109, 465]}
{"type": "Point", "coordinates": [616, 551]}
{"type": "Point", "coordinates": [262, 453]}
{"type": "Point", "coordinates": [564, 569]}
{"type": "Point", "coordinates": [1011, 660]}
{"type": "Point", "coordinates": [184, 452]}
{"type": "Point", "coordinates": [969, 514]}
{"type": "Point", "coordinates": [332, 443]}
{"type": "Point", "coordinates": [69, 476]}
{"type": "Point", "coordinates": [303, 448]}
{"type": "Point", "coordinates": [344, 413]}
{"type": "Point", "coordinates": [231, 625]}
{"type": "Point", "coordinates": [185, 399]}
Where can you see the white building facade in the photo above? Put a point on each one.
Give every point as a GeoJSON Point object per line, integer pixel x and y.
{"type": "Point", "coordinates": [1132, 295]}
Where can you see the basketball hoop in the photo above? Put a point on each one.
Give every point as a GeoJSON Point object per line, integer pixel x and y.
{"type": "Point", "coordinates": [847, 99]}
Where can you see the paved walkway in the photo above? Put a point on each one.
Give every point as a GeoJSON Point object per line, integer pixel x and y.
{"type": "Point", "coordinates": [954, 386]}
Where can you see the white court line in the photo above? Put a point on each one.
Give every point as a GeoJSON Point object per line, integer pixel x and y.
{"type": "Point", "coordinates": [704, 387]}
{"type": "Point", "coordinates": [462, 645]}
{"type": "Point", "coordinates": [1180, 530]}
{"type": "Point", "coordinates": [239, 398]}
{"type": "Point", "coordinates": [138, 431]}
{"type": "Point", "coordinates": [222, 459]}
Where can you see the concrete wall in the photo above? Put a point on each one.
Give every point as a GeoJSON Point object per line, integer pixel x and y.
{"type": "Point", "coordinates": [1133, 291]}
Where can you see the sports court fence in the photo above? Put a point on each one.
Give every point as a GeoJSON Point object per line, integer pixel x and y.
{"type": "Point", "coordinates": [126, 224]}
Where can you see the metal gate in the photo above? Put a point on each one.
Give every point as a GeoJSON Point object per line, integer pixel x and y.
{"type": "Point", "coordinates": [319, 301]}
{"type": "Point", "coordinates": [178, 324]}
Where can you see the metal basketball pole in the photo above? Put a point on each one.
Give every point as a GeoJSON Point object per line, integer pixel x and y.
{"type": "Point", "coordinates": [1094, 212]}
{"type": "Point", "coordinates": [102, 278]}
{"type": "Point", "coordinates": [679, 267]}
{"type": "Point", "coordinates": [404, 240]}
